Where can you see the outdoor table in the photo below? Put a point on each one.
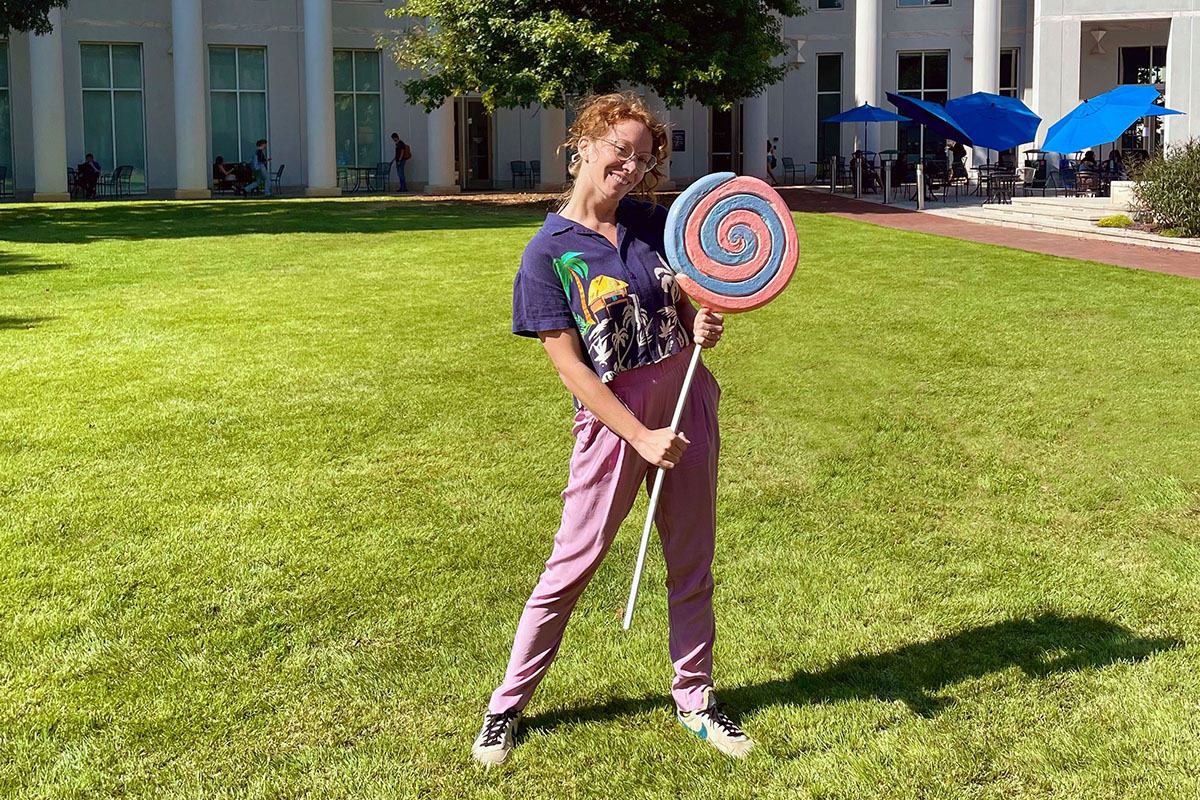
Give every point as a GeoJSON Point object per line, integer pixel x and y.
{"type": "Point", "coordinates": [983, 173]}
{"type": "Point", "coordinates": [359, 172]}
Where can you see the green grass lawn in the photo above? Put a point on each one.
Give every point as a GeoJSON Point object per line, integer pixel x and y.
{"type": "Point", "coordinates": [275, 481]}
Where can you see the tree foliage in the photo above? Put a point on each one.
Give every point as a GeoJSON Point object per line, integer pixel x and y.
{"type": "Point", "coordinates": [519, 52]}
{"type": "Point", "coordinates": [28, 16]}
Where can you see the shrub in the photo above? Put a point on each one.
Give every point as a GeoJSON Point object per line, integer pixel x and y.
{"type": "Point", "coordinates": [1116, 221]}
{"type": "Point", "coordinates": [1166, 193]}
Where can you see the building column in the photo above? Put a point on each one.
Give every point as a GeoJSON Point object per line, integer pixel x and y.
{"type": "Point", "coordinates": [49, 114]}
{"type": "Point", "coordinates": [754, 128]}
{"type": "Point", "coordinates": [1056, 65]}
{"type": "Point", "coordinates": [552, 128]}
{"type": "Point", "coordinates": [191, 150]}
{"type": "Point", "coordinates": [318, 99]}
{"type": "Point", "coordinates": [1183, 80]}
{"type": "Point", "coordinates": [868, 40]}
{"type": "Point", "coordinates": [985, 63]}
{"type": "Point", "coordinates": [440, 145]}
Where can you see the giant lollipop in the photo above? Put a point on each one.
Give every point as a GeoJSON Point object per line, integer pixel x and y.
{"type": "Point", "coordinates": [732, 245]}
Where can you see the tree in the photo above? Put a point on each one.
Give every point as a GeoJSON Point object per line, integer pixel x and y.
{"type": "Point", "coordinates": [28, 16]}
{"type": "Point", "coordinates": [518, 52]}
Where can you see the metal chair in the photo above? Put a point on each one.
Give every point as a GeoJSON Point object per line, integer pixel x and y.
{"type": "Point", "coordinates": [535, 172]}
{"type": "Point", "coordinates": [520, 172]}
{"type": "Point", "coordinates": [791, 170]}
{"type": "Point", "coordinates": [276, 178]}
{"type": "Point", "coordinates": [383, 175]}
{"type": "Point", "coordinates": [6, 192]}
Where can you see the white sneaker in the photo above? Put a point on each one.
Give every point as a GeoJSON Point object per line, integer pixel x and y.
{"type": "Point", "coordinates": [713, 726]}
{"type": "Point", "coordinates": [495, 739]}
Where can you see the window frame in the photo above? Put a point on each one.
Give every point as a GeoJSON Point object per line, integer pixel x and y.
{"type": "Point", "coordinates": [237, 92]}
{"type": "Point", "coordinates": [6, 158]}
{"type": "Point", "coordinates": [111, 91]}
{"type": "Point", "coordinates": [354, 93]}
{"type": "Point", "coordinates": [1015, 75]}
{"type": "Point", "coordinates": [841, 90]}
{"type": "Point", "coordinates": [902, 128]}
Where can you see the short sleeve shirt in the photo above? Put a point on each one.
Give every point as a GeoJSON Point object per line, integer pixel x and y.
{"type": "Point", "coordinates": [621, 300]}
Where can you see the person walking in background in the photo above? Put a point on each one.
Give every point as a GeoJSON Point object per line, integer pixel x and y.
{"type": "Point", "coordinates": [262, 177]}
{"type": "Point", "coordinates": [771, 160]}
{"type": "Point", "coordinates": [403, 153]}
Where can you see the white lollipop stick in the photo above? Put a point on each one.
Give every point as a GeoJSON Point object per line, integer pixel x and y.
{"type": "Point", "coordinates": [658, 482]}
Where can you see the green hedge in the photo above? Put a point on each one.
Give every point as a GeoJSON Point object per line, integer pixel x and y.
{"type": "Point", "coordinates": [1166, 193]}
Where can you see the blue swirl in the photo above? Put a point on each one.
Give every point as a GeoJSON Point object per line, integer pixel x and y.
{"type": "Point", "coordinates": [682, 209]}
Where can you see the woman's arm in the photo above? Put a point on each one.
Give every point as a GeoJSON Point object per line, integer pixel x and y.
{"type": "Point", "coordinates": [662, 447]}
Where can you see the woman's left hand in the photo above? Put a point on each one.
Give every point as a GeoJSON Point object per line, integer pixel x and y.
{"type": "Point", "coordinates": [708, 327]}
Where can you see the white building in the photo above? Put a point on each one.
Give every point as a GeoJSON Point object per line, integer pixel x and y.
{"type": "Point", "coordinates": [168, 85]}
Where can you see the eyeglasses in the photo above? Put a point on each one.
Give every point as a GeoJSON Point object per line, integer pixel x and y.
{"type": "Point", "coordinates": [645, 162]}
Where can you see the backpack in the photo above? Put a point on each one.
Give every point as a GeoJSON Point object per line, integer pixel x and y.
{"type": "Point", "coordinates": [406, 154]}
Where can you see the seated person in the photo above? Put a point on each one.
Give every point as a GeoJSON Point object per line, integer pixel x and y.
{"type": "Point", "coordinates": [224, 176]}
{"type": "Point", "coordinates": [1115, 164]}
{"type": "Point", "coordinates": [870, 180]}
{"type": "Point", "coordinates": [1089, 161]}
{"type": "Point", "coordinates": [86, 175]}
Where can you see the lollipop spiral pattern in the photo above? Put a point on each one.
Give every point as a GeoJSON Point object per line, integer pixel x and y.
{"type": "Point", "coordinates": [731, 242]}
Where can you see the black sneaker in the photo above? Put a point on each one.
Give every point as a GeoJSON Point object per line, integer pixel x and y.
{"type": "Point", "coordinates": [495, 739]}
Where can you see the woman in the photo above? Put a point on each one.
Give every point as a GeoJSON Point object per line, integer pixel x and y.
{"type": "Point", "coordinates": [594, 289]}
{"type": "Point", "coordinates": [224, 176]}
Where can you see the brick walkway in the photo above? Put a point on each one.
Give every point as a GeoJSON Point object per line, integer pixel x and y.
{"type": "Point", "coordinates": [1122, 255]}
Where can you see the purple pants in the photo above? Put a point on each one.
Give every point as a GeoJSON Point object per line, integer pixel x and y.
{"type": "Point", "coordinates": [606, 473]}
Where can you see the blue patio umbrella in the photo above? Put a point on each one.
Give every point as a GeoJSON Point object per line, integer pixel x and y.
{"type": "Point", "coordinates": [864, 114]}
{"type": "Point", "coordinates": [994, 121]}
{"type": "Point", "coordinates": [931, 116]}
{"type": "Point", "coordinates": [1103, 118]}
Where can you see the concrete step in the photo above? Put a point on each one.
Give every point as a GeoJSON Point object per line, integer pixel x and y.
{"type": "Point", "coordinates": [1028, 220]}
{"type": "Point", "coordinates": [1040, 213]}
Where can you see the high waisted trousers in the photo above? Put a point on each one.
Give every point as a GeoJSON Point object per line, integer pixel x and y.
{"type": "Point", "coordinates": [606, 473]}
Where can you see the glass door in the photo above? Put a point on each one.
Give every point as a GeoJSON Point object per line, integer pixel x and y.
{"type": "Point", "coordinates": [472, 137]}
{"type": "Point", "coordinates": [725, 139]}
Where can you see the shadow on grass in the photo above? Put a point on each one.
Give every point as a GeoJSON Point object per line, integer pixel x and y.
{"type": "Point", "coordinates": [916, 673]}
{"type": "Point", "coordinates": [13, 264]}
{"type": "Point", "coordinates": [75, 224]}
{"type": "Point", "coordinates": [21, 323]}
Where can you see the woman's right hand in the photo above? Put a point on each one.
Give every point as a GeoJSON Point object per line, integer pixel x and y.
{"type": "Point", "coordinates": [662, 447]}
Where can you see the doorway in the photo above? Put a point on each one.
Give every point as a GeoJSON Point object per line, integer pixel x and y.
{"type": "Point", "coordinates": [725, 138]}
{"type": "Point", "coordinates": [472, 137]}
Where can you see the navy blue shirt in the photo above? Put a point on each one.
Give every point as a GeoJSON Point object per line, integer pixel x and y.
{"type": "Point", "coordinates": [621, 300]}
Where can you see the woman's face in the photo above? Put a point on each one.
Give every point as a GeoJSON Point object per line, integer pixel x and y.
{"type": "Point", "coordinates": [600, 165]}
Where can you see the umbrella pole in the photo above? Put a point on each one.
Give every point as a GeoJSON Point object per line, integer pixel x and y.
{"type": "Point", "coordinates": [921, 173]}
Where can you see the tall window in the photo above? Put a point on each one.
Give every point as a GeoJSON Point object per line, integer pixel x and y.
{"type": "Point", "coordinates": [829, 102]}
{"type": "Point", "coordinates": [925, 75]}
{"type": "Point", "coordinates": [1009, 84]}
{"type": "Point", "coordinates": [829, 3]}
{"type": "Point", "coordinates": [5, 118]}
{"type": "Point", "coordinates": [114, 128]}
{"type": "Point", "coordinates": [357, 107]}
{"type": "Point", "coordinates": [1144, 65]}
{"type": "Point", "coordinates": [237, 79]}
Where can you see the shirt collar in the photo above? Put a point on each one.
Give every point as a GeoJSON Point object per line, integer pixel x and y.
{"type": "Point", "coordinates": [557, 224]}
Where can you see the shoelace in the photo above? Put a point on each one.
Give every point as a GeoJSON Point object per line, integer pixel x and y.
{"type": "Point", "coordinates": [494, 727]}
{"type": "Point", "coordinates": [716, 714]}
